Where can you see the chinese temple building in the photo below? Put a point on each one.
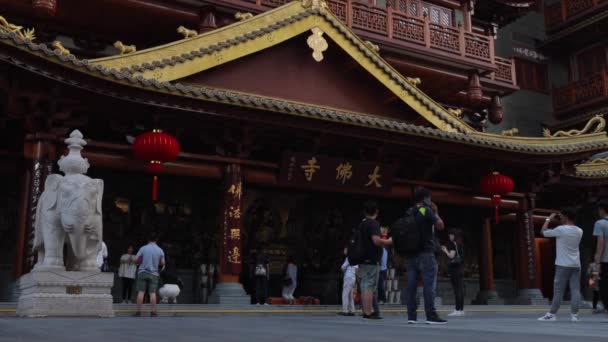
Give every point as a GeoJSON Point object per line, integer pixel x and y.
{"type": "Point", "coordinates": [289, 116]}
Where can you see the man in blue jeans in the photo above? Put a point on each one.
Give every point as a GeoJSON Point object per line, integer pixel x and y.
{"type": "Point", "coordinates": [423, 264]}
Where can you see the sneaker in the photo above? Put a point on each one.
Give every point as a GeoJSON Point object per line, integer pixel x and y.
{"type": "Point", "coordinates": [266, 304]}
{"type": "Point", "coordinates": [376, 314]}
{"type": "Point", "coordinates": [342, 313]}
{"type": "Point", "coordinates": [137, 314]}
{"type": "Point", "coordinates": [350, 314]}
{"type": "Point", "coordinates": [574, 318]}
{"type": "Point", "coordinates": [454, 313]}
{"type": "Point", "coordinates": [372, 316]}
{"type": "Point", "coordinates": [548, 317]}
{"type": "Point", "coordinates": [412, 321]}
{"type": "Point", "coordinates": [435, 320]}
{"type": "Point", "coordinates": [153, 314]}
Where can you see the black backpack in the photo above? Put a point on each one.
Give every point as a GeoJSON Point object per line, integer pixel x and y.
{"type": "Point", "coordinates": [406, 234]}
{"type": "Point", "coordinates": [356, 246]}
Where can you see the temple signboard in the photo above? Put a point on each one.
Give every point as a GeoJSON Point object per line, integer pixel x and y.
{"type": "Point", "coordinates": [317, 170]}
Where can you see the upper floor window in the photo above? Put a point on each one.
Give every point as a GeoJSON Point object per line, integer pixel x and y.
{"type": "Point", "coordinates": [437, 14]}
{"type": "Point", "coordinates": [532, 76]}
{"type": "Point", "coordinates": [591, 61]}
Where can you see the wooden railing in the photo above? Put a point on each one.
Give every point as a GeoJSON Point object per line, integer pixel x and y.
{"type": "Point", "coordinates": [560, 12]}
{"type": "Point", "coordinates": [581, 92]}
{"type": "Point", "coordinates": [394, 24]}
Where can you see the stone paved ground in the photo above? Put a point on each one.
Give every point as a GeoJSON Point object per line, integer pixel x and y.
{"type": "Point", "coordinates": [495, 327]}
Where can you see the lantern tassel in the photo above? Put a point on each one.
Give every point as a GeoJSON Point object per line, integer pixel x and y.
{"type": "Point", "coordinates": [155, 189]}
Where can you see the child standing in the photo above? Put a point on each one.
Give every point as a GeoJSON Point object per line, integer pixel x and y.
{"type": "Point", "coordinates": [593, 274]}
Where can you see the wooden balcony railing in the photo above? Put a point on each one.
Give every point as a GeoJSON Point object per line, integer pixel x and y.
{"type": "Point", "coordinates": [582, 92]}
{"type": "Point", "coordinates": [393, 24]}
{"type": "Point", "coordinates": [561, 12]}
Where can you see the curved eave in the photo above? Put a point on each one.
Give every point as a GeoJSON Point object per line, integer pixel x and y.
{"type": "Point", "coordinates": [569, 148]}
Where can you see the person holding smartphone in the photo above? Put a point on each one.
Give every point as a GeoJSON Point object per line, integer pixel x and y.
{"type": "Point", "coordinates": [567, 262]}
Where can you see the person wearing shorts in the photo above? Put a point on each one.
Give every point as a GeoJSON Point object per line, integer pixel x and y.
{"type": "Point", "coordinates": [150, 258]}
{"type": "Point", "coordinates": [369, 269]}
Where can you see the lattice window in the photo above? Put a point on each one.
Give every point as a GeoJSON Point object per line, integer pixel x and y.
{"type": "Point", "coordinates": [338, 8]}
{"type": "Point", "coordinates": [477, 47]}
{"type": "Point", "coordinates": [370, 20]}
{"type": "Point", "coordinates": [574, 7]}
{"type": "Point", "coordinates": [414, 8]}
{"type": "Point", "coordinates": [446, 19]}
{"type": "Point", "coordinates": [411, 30]}
{"type": "Point", "coordinates": [444, 38]}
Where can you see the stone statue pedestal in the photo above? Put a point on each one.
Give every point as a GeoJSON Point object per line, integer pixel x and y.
{"type": "Point", "coordinates": [65, 293]}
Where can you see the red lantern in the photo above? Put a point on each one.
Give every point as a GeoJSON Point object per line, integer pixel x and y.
{"type": "Point", "coordinates": [45, 8]}
{"type": "Point", "coordinates": [496, 185]}
{"type": "Point", "coordinates": [155, 148]}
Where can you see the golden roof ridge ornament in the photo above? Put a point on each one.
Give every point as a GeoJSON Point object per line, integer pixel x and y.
{"type": "Point", "coordinates": [241, 16]}
{"type": "Point", "coordinates": [416, 81]}
{"type": "Point", "coordinates": [187, 33]}
{"type": "Point", "coordinates": [373, 46]}
{"type": "Point", "coordinates": [25, 34]}
{"type": "Point", "coordinates": [320, 4]}
{"type": "Point", "coordinates": [457, 112]}
{"type": "Point", "coordinates": [59, 47]}
{"type": "Point", "coordinates": [510, 132]}
{"type": "Point", "coordinates": [124, 49]}
{"type": "Point", "coordinates": [317, 43]}
{"type": "Point", "coordinates": [597, 121]}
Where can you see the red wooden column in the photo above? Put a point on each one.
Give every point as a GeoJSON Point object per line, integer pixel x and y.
{"type": "Point", "coordinates": [528, 288]}
{"type": "Point", "coordinates": [231, 225]}
{"type": "Point", "coordinates": [40, 155]}
{"type": "Point", "coordinates": [229, 290]}
{"type": "Point", "coordinates": [487, 289]}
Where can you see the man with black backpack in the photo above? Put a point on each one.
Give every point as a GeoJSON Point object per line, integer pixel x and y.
{"type": "Point", "coordinates": [365, 250]}
{"type": "Point", "coordinates": [415, 238]}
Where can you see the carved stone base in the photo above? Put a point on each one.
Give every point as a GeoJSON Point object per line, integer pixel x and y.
{"type": "Point", "coordinates": [530, 297]}
{"type": "Point", "coordinates": [63, 293]}
{"type": "Point", "coordinates": [488, 298]}
{"type": "Point", "coordinates": [229, 293]}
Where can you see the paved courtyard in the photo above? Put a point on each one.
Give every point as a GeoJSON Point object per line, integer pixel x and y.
{"type": "Point", "coordinates": [493, 327]}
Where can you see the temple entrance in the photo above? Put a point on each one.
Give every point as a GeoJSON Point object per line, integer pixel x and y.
{"type": "Point", "coordinates": [185, 217]}
{"type": "Point", "coordinates": [545, 269]}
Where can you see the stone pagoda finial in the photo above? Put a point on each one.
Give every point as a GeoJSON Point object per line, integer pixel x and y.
{"type": "Point", "coordinates": [73, 163]}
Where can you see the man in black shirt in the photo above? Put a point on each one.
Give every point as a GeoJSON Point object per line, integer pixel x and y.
{"type": "Point", "coordinates": [424, 262]}
{"type": "Point", "coordinates": [369, 269]}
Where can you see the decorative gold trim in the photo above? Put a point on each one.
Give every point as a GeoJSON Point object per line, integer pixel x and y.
{"type": "Point", "coordinates": [317, 43]}
{"type": "Point", "coordinates": [124, 49]}
{"type": "Point", "coordinates": [598, 121]}
{"type": "Point", "coordinates": [187, 33]}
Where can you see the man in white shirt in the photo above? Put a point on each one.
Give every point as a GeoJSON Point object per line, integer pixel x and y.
{"type": "Point", "coordinates": [567, 262]}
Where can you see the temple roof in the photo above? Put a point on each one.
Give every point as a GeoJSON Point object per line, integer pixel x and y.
{"type": "Point", "coordinates": [193, 55]}
{"type": "Point", "coordinates": [170, 62]}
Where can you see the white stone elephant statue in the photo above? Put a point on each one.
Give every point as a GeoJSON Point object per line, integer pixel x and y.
{"type": "Point", "coordinates": [70, 206]}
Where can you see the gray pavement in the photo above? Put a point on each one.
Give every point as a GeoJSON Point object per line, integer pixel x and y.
{"type": "Point", "coordinates": [476, 326]}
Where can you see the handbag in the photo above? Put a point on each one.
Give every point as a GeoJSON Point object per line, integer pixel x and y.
{"type": "Point", "coordinates": [456, 260]}
{"type": "Point", "coordinates": [260, 270]}
{"type": "Point", "coordinates": [288, 281]}
{"type": "Point", "coordinates": [105, 267]}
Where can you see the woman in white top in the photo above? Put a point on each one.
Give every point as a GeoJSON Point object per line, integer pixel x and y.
{"type": "Point", "coordinates": [348, 293]}
{"type": "Point", "coordinates": [127, 272]}
{"type": "Point", "coordinates": [290, 280]}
